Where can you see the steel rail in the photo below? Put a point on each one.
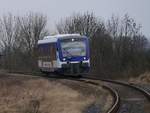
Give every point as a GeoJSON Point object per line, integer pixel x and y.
{"type": "Point", "coordinates": [131, 85]}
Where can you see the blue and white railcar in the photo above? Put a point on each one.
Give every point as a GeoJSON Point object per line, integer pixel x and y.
{"type": "Point", "coordinates": [67, 53]}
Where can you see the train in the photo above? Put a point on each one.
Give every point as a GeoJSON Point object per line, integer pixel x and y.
{"type": "Point", "coordinates": [64, 53]}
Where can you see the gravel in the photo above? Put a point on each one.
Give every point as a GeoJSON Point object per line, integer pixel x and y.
{"type": "Point", "coordinates": [133, 107]}
{"type": "Point", "coordinates": [93, 108]}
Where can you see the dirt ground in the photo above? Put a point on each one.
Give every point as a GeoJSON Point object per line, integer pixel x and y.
{"type": "Point", "coordinates": [24, 94]}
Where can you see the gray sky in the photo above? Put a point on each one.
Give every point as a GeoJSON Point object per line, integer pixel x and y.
{"type": "Point", "coordinates": [57, 9]}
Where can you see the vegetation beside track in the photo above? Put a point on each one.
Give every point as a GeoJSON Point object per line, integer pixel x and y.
{"type": "Point", "coordinates": [25, 94]}
{"type": "Point", "coordinates": [142, 79]}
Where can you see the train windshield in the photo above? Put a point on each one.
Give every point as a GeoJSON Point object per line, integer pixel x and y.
{"type": "Point", "coordinates": [73, 47]}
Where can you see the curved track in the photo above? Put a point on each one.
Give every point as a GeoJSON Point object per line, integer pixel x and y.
{"type": "Point", "coordinates": [133, 99]}
{"type": "Point", "coordinates": [130, 98]}
{"type": "Point", "coordinates": [113, 92]}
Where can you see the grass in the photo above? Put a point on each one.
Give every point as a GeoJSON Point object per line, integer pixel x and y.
{"type": "Point", "coordinates": [28, 95]}
{"type": "Point", "coordinates": [25, 94]}
{"type": "Point", "coordinates": [100, 96]}
{"type": "Point", "coordinates": [142, 79]}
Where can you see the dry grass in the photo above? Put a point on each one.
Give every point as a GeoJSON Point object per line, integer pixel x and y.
{"type": "Point", "coordinates": [142, 79]}
{"type": "Point", "coordinates": [100, 96]}
{"type": "Point", "coordinates": [26, 95]}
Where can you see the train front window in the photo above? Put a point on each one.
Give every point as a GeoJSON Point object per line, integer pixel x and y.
{"type": "Point", "coordinates": [73, 47]}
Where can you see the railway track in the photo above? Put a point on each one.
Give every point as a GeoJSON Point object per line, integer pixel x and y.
{"type": "Point", "coordinates": [129, 98]}
{"type": "Point", "coordinates": [133, 99]}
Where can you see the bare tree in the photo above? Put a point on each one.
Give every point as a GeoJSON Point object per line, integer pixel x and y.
{"type": "Point", "coordinates": [128, 42]}
{"type": "Point", "coordinates": [9, 29]}
{"type": "Point", "coordinates": [18, 38]}
{"type": "Point", "coordinates": [33, 28]}
{"type": "Point", "coordinates": [85, 24]}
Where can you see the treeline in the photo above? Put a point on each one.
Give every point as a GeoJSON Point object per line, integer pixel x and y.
{"type": "Point", "coordinates": [117, 46]}
{"type": "Point", "coordinates": [18, 41]}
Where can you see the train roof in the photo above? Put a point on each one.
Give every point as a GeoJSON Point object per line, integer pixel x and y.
{"type": "Point", "coordinates": [53, 39]}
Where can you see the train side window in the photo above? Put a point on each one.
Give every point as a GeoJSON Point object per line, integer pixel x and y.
{"type": "Point", "coordinates": [48, 50]}
{"type": "Point", "coordinates": [40, 51]}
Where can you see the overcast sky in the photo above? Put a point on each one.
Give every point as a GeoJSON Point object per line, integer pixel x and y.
{"type": "Point", "coordinates": [57, 9]}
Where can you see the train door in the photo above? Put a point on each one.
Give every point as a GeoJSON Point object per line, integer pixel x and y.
{"type": "Point", "coordinates": [53, 58]}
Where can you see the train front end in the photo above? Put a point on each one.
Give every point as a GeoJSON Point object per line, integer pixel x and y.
{"type": "Point", "coordinates": [74, 54]}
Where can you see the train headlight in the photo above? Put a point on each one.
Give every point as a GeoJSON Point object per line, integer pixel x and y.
{"type": "Point", "coordinates": [72, 39]}
{"type": "Point", "coordinates": [64, 59]}
{"type": "Point", "coordinates": [84, 58]}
